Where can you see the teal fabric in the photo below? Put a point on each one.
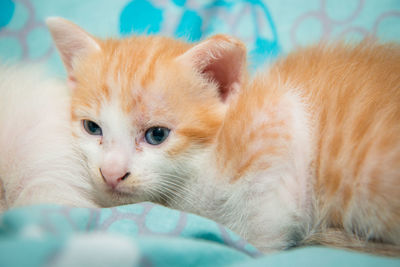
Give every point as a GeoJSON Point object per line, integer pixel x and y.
{"type": "Point", "coordinates": [159, 236]}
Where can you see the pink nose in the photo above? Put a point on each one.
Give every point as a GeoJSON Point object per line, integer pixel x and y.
{"type": "Point", "coordinates": [115, 166]}
{"type": "Point", "coordinates": [113, 177]}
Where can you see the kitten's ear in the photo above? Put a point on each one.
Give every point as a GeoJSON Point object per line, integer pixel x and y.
{"type": "Point", "coordinates": [220, 58]}
{"type": "Point", "coordinates": [72, 42]}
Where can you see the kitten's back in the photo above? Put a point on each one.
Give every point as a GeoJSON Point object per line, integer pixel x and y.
{"type": "Point", "coordinates": [354, 95]}
{"type": "Point", "coordinates": [351, 99]}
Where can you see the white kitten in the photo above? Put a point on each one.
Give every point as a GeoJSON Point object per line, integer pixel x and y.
{"type": "Point", "coordinates": [38, 161]}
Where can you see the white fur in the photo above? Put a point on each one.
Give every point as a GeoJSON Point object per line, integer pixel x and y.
{"type": "Point", "coordinates": [109, 151]}
{"type": "Point", "coordinates": [269, 208]}
{"type": "Point", "coordinates": [39, 162]}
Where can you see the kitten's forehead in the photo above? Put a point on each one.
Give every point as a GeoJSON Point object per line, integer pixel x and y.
{"type": "Point", "coordinates": [125, 69]}
{"type": "Point", "coordinates": [134, 64]}
{"type": "Point", "coordinates": [139, 103]}
{"type": "Point", "coordinates": [137, 58]}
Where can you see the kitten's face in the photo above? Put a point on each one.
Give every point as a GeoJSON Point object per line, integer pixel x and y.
{"type": "Point", "coordinates": [146, 110]}
{"type": "Point", "coordinates": [140, 117]}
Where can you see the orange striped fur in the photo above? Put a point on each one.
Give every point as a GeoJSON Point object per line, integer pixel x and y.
{"type": "Point", "coordinates": [353, 98]}
{"type": "Point", "coordinates": [309, 146]}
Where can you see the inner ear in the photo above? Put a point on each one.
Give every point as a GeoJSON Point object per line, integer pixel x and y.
{"type": "Point", "coordinates": [225, 72]}
{"type": "Point", "coordinates": [220, 59]}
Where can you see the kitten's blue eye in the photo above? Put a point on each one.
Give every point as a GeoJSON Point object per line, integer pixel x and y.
{"type": "Point", "coordinates": [156, 135]}
{"type": "Point", "coordinates": [92, 128]}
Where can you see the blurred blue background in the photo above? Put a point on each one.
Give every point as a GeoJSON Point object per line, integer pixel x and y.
{"type": "Point", "coordinates": [268, 27]}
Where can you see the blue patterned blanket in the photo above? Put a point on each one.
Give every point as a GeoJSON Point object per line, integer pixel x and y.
{"type": "Point", "coordinates": [145, 235]}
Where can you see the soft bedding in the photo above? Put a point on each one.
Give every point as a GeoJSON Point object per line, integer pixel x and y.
{"type": "Point", "coordinates": [145, 234]}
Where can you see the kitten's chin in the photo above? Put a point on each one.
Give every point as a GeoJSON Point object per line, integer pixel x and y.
{"type": "Point", "coordinates": [122, 192]}
{"type": "Point", "coordinates": [113, 197]}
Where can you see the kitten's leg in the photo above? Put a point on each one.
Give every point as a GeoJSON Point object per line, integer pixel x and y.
{"type": "Point", "coordinates": [3, 202]}
{"type": "Point", "coordinates": [45, 192]}
{"type": "Point", "coordinates": [341, 239]}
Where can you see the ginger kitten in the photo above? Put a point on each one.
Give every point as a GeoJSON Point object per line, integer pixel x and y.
{"type": "Point", "coordinates": [306, 152]}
